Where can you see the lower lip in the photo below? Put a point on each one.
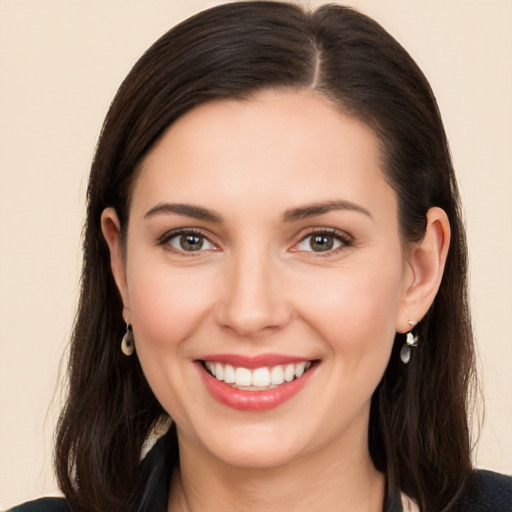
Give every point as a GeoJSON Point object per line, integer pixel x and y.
{"type": "Point", "coordinates": [244, 400]}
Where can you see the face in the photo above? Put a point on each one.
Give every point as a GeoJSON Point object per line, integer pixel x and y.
{"type": "Point", "coordinates": [263, 247]}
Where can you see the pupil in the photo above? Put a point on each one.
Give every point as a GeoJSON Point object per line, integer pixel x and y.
{"type": "Point", "coordinates": [322, 243]}
{"type": "Point", "coordinates": [191, 242]}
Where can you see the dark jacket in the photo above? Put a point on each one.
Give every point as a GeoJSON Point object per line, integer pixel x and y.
{"type": "Point", "coordinates": [489, 492]}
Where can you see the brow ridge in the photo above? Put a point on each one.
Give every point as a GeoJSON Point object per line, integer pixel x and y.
{"type": "Point", "coordinates": [291, 215]}
{"type": "Point", "coordinates": [188, 210]}
{"type": "Point", "coordinates": [315, 209]}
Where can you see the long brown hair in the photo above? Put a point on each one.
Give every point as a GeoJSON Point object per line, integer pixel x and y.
{"type": "Point", "coordinates": [418, 432]}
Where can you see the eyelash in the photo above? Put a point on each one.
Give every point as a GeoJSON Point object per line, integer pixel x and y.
{"type": "Point", "coordinates": [167, 237]}
{"type": "Point", "coordinates": [343, 238]}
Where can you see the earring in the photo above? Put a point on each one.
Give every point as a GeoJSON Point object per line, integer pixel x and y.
{"type": "Point", "coordinates": [127, 344]}
{"type": "Point", "coordinates": [410, 341]}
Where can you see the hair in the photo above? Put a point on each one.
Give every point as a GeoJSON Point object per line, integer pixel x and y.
{"type": "Point", "coordinates": [418, 433]}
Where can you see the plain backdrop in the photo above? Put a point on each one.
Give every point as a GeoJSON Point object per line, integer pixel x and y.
{"type": "Point", "coordinates": [61, 62]}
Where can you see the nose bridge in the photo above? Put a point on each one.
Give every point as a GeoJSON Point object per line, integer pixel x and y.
{"type": "Point", "coordinates": [252, 300]}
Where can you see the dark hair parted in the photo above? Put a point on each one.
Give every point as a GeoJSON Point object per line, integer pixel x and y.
{"type": "Point", "coordinates": [418, 432]}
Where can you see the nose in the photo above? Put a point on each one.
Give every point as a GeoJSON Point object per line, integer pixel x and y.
{"type": "Point", "coordinates": [253, 300]}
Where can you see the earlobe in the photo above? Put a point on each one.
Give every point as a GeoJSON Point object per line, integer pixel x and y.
{"type": "Point", "coordinates": [111, 228]}
{"type": "Point", "coordinates": [426, 263]}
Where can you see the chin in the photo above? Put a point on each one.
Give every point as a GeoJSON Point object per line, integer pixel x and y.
{"type": "Point", "coordinates": [258, 457]}
{"type": "Point", "coordinates": [256, 447]}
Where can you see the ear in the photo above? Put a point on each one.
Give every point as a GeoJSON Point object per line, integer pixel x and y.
{"type": "Point", "coordinates": [111, 228]}
{"type": "Point", "coordinates": [425, 266]}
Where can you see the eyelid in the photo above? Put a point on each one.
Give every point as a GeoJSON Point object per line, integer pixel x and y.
{"type": "Point", "coordinates": [342, 236]}
{"type": "Point", "coordinates": [346, 240]}
{"type": "Point", "coordinates": [173, 233]}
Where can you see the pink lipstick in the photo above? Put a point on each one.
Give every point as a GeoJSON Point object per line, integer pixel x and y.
{"type": "Point", "coordinates": [255, 383]}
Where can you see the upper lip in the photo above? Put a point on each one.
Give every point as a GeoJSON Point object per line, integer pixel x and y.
{"type": "Point", "coordinates": [251, 362]}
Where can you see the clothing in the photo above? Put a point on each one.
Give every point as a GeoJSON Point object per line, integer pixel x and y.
{"type": "Point", "coordinates": [489, 492]}
{"type": "Point", "coordinates": [408, 505]}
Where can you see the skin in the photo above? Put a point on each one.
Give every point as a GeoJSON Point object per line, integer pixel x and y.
{"type": "Point", "coordinates": [259, 286]}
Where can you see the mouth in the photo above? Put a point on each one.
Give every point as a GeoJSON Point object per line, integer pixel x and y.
{"type": "Point", "coordinates": [257, 379]}
{"type": "Point", "coordinates": [250, 385]}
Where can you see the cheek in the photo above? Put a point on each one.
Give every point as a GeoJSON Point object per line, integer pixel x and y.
{"type": "Point", "coordinates": [167, 304]}
{"type": "Point", "coordinates": [355, 311]}
{"type": "Point", "coordinates": [166, 307]}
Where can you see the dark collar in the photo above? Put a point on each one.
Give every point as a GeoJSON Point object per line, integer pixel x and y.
{"type": "Point", "coordinates": [155, 473]}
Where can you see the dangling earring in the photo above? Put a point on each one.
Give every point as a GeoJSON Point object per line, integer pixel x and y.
{"type": "Point", "coordinates": [127, 344]}
{"type": "Point", "coordinates": [410, 341]}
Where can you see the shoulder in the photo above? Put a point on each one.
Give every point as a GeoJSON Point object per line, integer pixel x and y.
{"type": "Point", "coordinates": [487, 491]}
{"type": "Point", "coordinates": [42, 505]}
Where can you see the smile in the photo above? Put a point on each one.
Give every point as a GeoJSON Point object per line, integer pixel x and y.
{"type": "Point", "coordinates": [255, 384]}
{"type": "Point", "coordinates": [257, 379]}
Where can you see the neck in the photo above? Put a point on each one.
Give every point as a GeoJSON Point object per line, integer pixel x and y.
{"type": "Point", "coordinates": [335, 479]}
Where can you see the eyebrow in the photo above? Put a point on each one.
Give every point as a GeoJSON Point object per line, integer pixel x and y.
{"type": "Point", "coordinates": [188, 210]}
{"type": "Point", "coordinates": [314, 209]}
{"type": "Point", "coordinates": [292, 215]}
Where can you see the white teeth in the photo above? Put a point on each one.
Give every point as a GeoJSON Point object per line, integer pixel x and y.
{"type": "Point", "coordinates": [229, 374]}
{"type": "Point", "coordinates": [243, 377]}
{"type": "Point", "coordinates": [299, 369]}
{"type": "Point", "coordinates": [277, 375]}
{"type": "Point", "coordinates": [259, 377]}
{"type": "Point", "coordinates": [219, 371]}
{"type": "Point", "coordinates": [289, 373]}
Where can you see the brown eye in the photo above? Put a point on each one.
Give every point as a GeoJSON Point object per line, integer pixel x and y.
{"type": "Point", "coordinates": [189, 242]}
{"type": "Point", "coordinates": [320, 243]}
{"type": "Point", "coordinates": [323, 242]}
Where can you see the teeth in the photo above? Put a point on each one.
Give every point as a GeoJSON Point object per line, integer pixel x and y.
{"type": "Point", "coordinates": [219, 371]}
{"type": "Point", "coordinates": [289, 373]}
{"type": "Point", "coordinates": [259, 377]}
{"type": "Point", "coordinates": [229, 374]}
{"type": "Point", "coordinates": [243, 377]}
{"type": "Point", "coordinates": [277, 375]}
{"type": "Point", "coordinates": [300, 369]}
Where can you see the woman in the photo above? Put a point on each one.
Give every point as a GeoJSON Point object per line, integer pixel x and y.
{"type": "Point", "coordinates": [275, 259]}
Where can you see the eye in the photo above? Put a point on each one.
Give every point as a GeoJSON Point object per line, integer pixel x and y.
{"type": "Point", "coordinates": [188, 241]}
{"type": "Point", "coordinates": [323, 241]}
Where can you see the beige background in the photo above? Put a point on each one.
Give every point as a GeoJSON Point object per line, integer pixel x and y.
{"type": "Point", "coordinates": [61, 62]}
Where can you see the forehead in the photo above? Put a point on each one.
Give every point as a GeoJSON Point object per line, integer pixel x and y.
{"type": "Point", "coordinates": [293, 144]}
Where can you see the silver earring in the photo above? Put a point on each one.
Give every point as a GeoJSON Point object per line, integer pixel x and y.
{"type": "Point", "coordinates": [127, 344]}
{"type": "Point", "coordinates": [410, 341]}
